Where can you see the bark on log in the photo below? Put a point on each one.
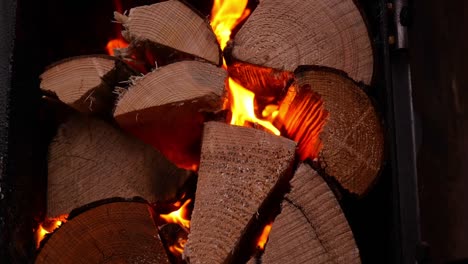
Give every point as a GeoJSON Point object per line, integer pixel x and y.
{"type": "Point", "coordinates": [119, 232]}
{"type": "Point", "coordinates": [170, 24]}
{"type": "Point", "coordinates": [167, 107]}
{"type": "Point", "coordinates": [285, 34]}
{"type": "Point", "coordinates": [240, 168]}
{"type": "Point", "coordinates": [340, 129]}
{"type": "Point", "coordinates": [87, 83]}
{"type": "Point", "coordinates": [311, 227]}
{"type": "Point", "coordinates": [90, 160]}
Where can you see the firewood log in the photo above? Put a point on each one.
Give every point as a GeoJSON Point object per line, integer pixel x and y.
{"type": "Point", "coordinates": [87, 83]}
{"type": "Point", "coordinates": [168, 27]}
{"type": "Point", "coordinates": [118, 232]}
{"type": "Point", "coordinates": [240, 169]}
{"type": "Point", "coordinates": [89, 160]}
{"type": "Point", "coordinates": [167, 107]}
{"type": "Point", "coordinates": [311, 227]}
{"type": "Point", "coordinates": [285, 34]}
{"type": "Point", "coordinates": [335, 125]}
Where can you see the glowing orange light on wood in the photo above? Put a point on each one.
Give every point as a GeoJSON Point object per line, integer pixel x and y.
{"type": "Point", "coordinates": [179, 216]}
{"type": "Point", "coordinates": [264, 236]}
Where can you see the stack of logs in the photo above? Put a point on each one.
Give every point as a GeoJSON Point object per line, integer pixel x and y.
{"type": "Point", "coordinates": [126, 141]}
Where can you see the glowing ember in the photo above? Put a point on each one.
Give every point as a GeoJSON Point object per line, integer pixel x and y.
{"type": "Point", "coordinates": [179, 216]}
{"type": "Point", "coordinates": [47, 227]}
{"type": "Point", "coordinates": [115, 44]}
{"type": "Point", "coordinates": [242, 108]}
{"type": "Point", "coordinates": [264, 237]}
{"type": "Point", "coordinates": [225, 16]}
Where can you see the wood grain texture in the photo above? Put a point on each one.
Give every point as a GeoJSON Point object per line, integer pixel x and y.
{"type": "Point", "coordinates": [174, 25]}
{"type": "Point", "coordinates": [167, 108]}
{"type": "Point", "coordinates": [90, 160]}
{"type": "Point", "coordinates": [174, 83]}
{"type": "Point", "coordinates": [120, 232]}
{"type": "Point", "coordinates": [285, 34]}
{"type": "Point", "coordinates": [352, 141]}
{"type": "Point", "coordinates": [87, 83]}
{"type": "Point", "coordinates": [239, 168]}
{"type": "Point", "coordinates": [311, 227]}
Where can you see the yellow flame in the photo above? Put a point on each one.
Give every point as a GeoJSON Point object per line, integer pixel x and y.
{"type": "Point", "coordinates": [264, 237]}
{"type": "Point", "coordinates": [179, 216]}
{"type": "Point", "coordinates": [242, 108]}
{"type": "Point", "coordinates": [225, 16]}
{"type": "Point", "coordinates": [47, 227]}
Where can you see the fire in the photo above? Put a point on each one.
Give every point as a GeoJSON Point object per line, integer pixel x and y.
{"type": "Point", "coordinates": [118, 42]}
{"type": "Point", "coordinates": [115, 44]}
{"type": "Point", "coordinates": [242, 108]}
{"type": "Point", "coordinates": [47, 227]}
{"type": "Point", "coordinates": [226, 15]}
{"type": "Point", "coordinates": [264, 237]}
{"type": "Point", "coordinates": [178, 248]}
{"type": "Point", "coordinates": [179, 216]}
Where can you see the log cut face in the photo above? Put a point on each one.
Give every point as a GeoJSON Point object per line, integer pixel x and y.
{"type": "Point", "coordinates": [285, 34]}
{"type": "Point", "coordinates": [87, 83]}
{"type": "Point", "coordinates": [90, 160]}
{"type": "Point", "coordinates": [350, 142]}
{"type": "Point", "coordinates": [174, 25]}
{"type": "Point", "coordinates": [239, 168]}
{"type": "Point", "coordinates": [167, 107]}
{"type": "Point", "coordinates": [311, 227]}
{"type": "Point", "coordinates": [121, 232]}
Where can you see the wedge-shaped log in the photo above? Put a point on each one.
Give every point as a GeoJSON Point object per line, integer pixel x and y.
{"type": "Point", "coordinates": [118, 232]}
{"type": "Point", "coordinates": [87, 83]}
{"type": "Point", "coordinates": [285, 34]}
{"type": "Point", "coordinates": [340, 129]}
{"type": "Point", "coordinates": [171, 24]}
{"type": "Point", "coordinates": [90, 160]}
{"type": "Point", "coordinates": [311, 227]}
{"type": "Point", "coordinates": [167, 107]}
{"type": "Point", "coordinates": [240, 168]}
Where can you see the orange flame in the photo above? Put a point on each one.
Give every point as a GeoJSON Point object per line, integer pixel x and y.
{"type": "Point", "coordinates": [178, 216]}
{"type": "Point", "coordinates": [113, 44]}
{"type": "Point", "coordinates": [178, 248]}
{"type": "Point", "coordinates": [47, 227]}
{"type": "Point", "coordinates": [118, 42]}
{"type": "Point", "coordinates": [264, 237]}
{"type": "Point", "coordinates": [226, 15]}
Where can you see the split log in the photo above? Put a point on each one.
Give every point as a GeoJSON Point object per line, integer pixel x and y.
{"type": "Point", "coordinates": [167, 107]}
{"type": "Point", "coordinates": [285, 34]}
{"type": "Point", "coordinates": [169, 27]}
{"type": "Point", "coordinates": [240, 169]}
{"type": "Point", "coordinates": [311, 227]}
{"type": "Point", "coordinates": [90, 160]}
{"type": "Point", "coordinates": [336, 125]}
{"type": "Point", "coordinates": [87, 83]}
{"type": "Point", "coordinates": [119, 232]}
